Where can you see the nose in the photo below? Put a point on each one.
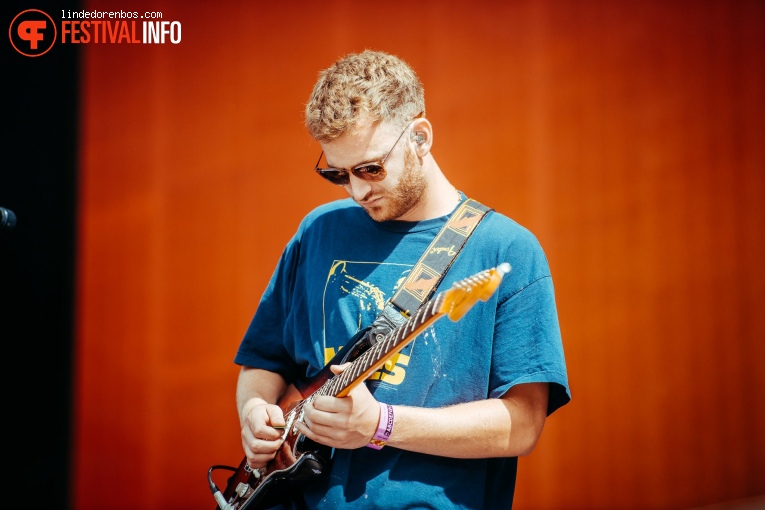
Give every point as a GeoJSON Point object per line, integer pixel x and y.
{"type": "Point", "coordinates": [357, 188]}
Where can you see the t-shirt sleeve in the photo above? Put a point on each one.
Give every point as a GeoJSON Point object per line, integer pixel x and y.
{"type": "Point", "coordinates": [529, 347]}
{"type": "Point", "coordinates": [263, 345]}
{"type": "Point", "coordinates": [527, 340]}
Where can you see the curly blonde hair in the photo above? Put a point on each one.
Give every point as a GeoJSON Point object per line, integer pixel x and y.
{"type": "Point", "coordinates": [372, 85]}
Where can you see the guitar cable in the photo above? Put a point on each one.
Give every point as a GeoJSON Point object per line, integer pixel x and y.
{"type": "Point", "coordinates": [222, 503]}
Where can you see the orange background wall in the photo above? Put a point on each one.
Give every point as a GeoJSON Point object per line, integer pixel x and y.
{"type": "Point", "coordinates": [627, 135]}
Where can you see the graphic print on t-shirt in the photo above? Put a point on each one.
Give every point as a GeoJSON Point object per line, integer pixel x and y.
{"type": "Point", "coordinates": [356, 293]}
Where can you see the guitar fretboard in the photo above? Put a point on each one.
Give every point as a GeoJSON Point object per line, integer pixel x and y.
{"type": "Point", "coordinates": [383, 348]}
{"type": "Point", "coordinates": [380, 351]}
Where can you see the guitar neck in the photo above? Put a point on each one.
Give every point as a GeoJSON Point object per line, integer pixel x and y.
{"type": "Point", "coordinates": [454, 302]}
{"type": "Point", "coordinates": [363, 366]}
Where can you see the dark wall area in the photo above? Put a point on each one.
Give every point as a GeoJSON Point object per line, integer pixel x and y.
{"type": "Point", "coordinates": [38, 184]}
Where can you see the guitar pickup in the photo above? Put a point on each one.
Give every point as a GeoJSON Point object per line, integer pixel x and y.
{"type": "Point", "coordinates": [242, 489]}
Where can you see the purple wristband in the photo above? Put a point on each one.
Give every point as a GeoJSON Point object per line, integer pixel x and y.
{"type": "Point", "coordinates": [384, 427]}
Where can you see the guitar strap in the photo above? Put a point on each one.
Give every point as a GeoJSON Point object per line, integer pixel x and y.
{"type": "Point", "coordinates": [425, 276]}
{"type": "Point", "coordinates": [416, 289]}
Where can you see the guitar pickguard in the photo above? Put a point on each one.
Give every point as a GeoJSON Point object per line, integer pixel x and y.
{"type": "Point", "coordinates": [292, 467]}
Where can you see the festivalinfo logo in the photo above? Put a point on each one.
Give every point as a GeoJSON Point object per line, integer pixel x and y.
{"type": "Point", "coordinates": [33, 32]}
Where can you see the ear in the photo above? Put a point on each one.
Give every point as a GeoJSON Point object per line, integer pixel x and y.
{"type": "Point", "coordinates": [422, 136]}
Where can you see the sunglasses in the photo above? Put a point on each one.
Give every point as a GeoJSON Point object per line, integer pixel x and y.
{"type": "Point", "coordinates": [373, 171]}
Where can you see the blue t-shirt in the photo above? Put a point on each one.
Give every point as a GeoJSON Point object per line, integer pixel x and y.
{"type": "Point", "coordinates": [334, 278]}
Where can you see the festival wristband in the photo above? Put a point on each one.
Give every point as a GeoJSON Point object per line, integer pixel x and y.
{"type": "Point", "coordinates": [384, 427]}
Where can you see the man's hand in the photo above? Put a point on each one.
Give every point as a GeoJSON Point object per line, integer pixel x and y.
{"type": "Point", "coordinates": [348, 422]}
{"type": "Point", "coordinates": [259, 437]}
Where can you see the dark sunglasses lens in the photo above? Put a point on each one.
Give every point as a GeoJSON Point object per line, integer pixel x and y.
{"type": "Point", "coordinates": [373, 172]}
{"type": "Point", "coordinates": [334, 176]}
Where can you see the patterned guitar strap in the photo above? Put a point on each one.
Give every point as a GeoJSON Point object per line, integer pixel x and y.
{"type": "Point", "coordinates": [416, 289]}
{"type": "Point", "coordinates": [430, 269]}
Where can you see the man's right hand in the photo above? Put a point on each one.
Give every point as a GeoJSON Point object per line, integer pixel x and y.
{"type": "Point", "coordinates": [262, 430]}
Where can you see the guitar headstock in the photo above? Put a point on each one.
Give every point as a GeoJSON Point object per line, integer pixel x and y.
{"type": "Point", "coordinates": [466, 292]}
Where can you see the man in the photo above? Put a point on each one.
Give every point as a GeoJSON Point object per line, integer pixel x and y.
{"type": "Point", "coordinates": [465, 398]}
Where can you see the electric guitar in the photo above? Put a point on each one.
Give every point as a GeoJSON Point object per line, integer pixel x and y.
{"type": "Point", "coordinates": [299, 459]}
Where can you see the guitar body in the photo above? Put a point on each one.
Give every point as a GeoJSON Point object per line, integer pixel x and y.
{"type": "Point", "coordinates": [299, 460]}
